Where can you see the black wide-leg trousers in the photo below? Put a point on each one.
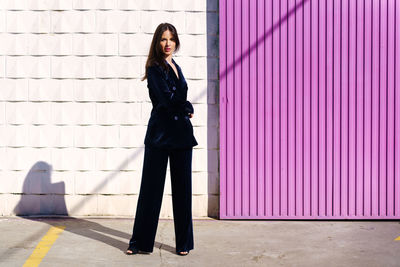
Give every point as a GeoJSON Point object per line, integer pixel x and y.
{"type": "Point", "coordinates": [151, 193]}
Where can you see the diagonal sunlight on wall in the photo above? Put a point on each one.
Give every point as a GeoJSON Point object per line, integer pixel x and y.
{"type": "Point", "coordinates": [261, 40]}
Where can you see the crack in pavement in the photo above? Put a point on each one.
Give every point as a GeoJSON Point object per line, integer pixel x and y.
{"type": "Point", "coordinates": [162, 228]}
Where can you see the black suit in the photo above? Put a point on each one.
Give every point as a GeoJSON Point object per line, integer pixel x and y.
{"type": "Point", "coordinates": [169, 135]}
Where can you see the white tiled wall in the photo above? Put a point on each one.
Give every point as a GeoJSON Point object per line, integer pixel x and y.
{"type": "Point", "coordinates": [73, 111]}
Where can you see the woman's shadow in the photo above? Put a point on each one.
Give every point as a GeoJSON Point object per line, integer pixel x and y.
{"type": "Point", "coordinates": [41, 197]}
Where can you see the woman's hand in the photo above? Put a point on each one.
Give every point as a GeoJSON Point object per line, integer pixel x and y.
{"type": "Point", "coordinates": [190, 115]}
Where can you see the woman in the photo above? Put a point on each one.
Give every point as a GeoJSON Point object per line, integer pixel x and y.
{"type": "Point", "coordinates": [169, 135]}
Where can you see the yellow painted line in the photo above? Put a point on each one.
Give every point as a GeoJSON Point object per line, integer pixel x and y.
{"type": "Point", "coordinates": [398, 238]}
{"type": "Point", "coordinates": [44, 246]}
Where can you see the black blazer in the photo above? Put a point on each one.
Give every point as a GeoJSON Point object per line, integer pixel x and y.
{"type": "Point", "coordinates": [169, 126]}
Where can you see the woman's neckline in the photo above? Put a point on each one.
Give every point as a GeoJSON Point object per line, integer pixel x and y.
{"type": "Point", "coordinates": [177, 70]}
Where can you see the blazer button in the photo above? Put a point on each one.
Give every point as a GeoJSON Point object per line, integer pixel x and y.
{"type": "Point", "coordinates": [176, 118]}
{"type": "Point", "coordinates": [174, 88]}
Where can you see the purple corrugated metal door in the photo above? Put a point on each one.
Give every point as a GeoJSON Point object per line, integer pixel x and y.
{"type": "Point", "coordinates": [310, 109]}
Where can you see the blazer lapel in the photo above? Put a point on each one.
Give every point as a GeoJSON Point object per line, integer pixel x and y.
{"type": "Point", "coordinates": [181, 80]}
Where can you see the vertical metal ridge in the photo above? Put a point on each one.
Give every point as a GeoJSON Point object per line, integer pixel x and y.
{"type": "Point", "coordinates": [249, 202]}
{"type": "Point", "coordinates": [340, 119]}
{"type": "Point", "coordinates": [265, 111]}
{"type": "Point", "coordinates": [356, 111]}
{"type": "Point", "coordinates": [360, 120]}
{"type": "Point", "coordinates": [332, 175]}
{"type": "Point", "coordinates": [241, 110]}
{"type": "Point", "coordinates": [311, 108]}
{"type": "Point", "coordinates": [394, 106]}
{"type": "Point", "coordinates": [265, 115]}
{"type": "Point", "coordinates": [287, 108]}
{"type": "Point", "coordinates": [318, 156]}
{"type": "Point", "coordinates": [252, 126]}
{"type": "Point", "coordinates": [348, 109]}
{"type": "Point", "coordinates": [366, 173]}
{"type": "Point", "coordinates": [372, 60]}
{"type": "Point", "coordinates": [230, 103]}
{"type": "Point", "coordinates": [272, 108]}
{"type": "Point", "coordinates": [248, 129]}
{"type": "Point", "coordinates": [386, 104]}
{"type": "Point", "coordinates": [379, 113]}
{"type": "Point", "coordinates": [333, 112]}
{"type": "Point", "coordinates": [326, 111]}
{"type": "Point", "coordinates": [280, 134]}
{"type": "Point", "coordinates": [363, 144]}
{"type": "Point", "coordinates": [270, 118]}
{"type": "Point", "coordinates": [302, 107]}
{"type": "Point", "coordinates": [248, 106]}
{"type": "Point", "coordinates": [256, 108]}
{"type": "Point", "coordinates": [233, 108]}
{"type": "Point", "coordinates": [295, 111]}
{"type": "Point", "coordinates": [223, 64]}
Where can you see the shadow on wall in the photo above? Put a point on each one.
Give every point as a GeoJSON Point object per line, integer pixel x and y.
{"type": "Point", "coordinates": [39, 195]}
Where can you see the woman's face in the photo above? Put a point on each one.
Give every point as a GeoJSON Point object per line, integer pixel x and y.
{"type": "Point", "coordinates": [167, 43]}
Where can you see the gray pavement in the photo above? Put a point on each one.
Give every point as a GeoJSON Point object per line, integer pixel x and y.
{"type": "Point", "coordinates": [90, 241]}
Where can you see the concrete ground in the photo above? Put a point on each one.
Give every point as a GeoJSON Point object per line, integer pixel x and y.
{"type": "Point", "coordinates": [102, 242]}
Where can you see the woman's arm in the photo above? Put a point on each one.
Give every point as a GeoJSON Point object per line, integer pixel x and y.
{"type": "Point", "coordinates": [188, 107]}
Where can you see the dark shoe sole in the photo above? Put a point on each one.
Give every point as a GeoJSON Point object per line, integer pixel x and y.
{"type": "Point", "coordinates": [136, 251]}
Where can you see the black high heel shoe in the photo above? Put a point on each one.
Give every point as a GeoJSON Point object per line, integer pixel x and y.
{"type": "Point", "coordinates": [182, 253]}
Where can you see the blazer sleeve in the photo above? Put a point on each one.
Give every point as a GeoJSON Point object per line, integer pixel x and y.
{"type": "Point", "coordinates": [188, 107]}
{"type": "Point", "coordinates": [166, 97]}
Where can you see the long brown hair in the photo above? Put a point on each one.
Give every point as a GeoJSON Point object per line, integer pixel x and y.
{"type": "Point", "coordinates": [156, 55]}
